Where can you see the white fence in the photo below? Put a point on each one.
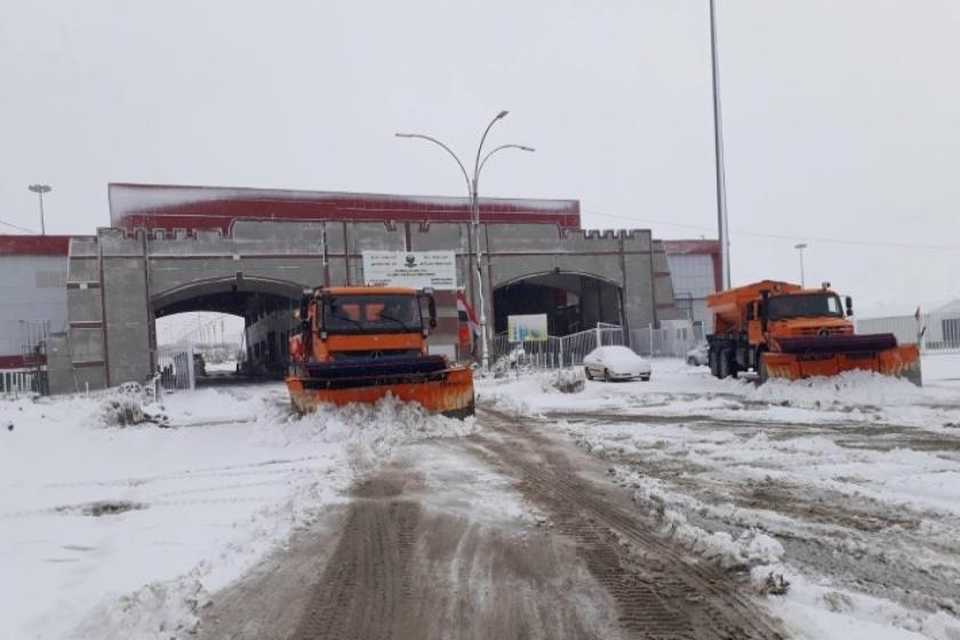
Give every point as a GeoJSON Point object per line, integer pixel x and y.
{"type": "Point", "coordinates": [664, 343]}
{"type": "Point", "coordinates": [941, 331]}
{"type": "Point", "coordinates": [14, 382]}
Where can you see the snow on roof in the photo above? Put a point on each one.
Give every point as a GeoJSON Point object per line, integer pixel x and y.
{"type": "Point", "coordinates": [709, 247]}
{"type": "Point", "coordinates": [217, 207]}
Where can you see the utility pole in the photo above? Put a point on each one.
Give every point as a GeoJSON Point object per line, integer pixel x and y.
{"type": "Point", "coordinates": [473, 192]}
{"type": "Point", "coordinates": [722, 228]}
{"type": "Point", "coordinates": [41, 189]}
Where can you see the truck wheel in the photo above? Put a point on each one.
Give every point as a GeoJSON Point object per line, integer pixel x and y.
{"type": "Point", "coordinates": [762, 373]}
{"type": "Point", "coordinates": [724, 368]}
{"type": "Point", "coordinates": [606, 375]}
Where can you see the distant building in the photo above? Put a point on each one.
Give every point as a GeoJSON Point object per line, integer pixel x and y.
{"type": "Point", "coordinates": [33, 307]}
{"type": "Point", "coordinates": [695, 272]}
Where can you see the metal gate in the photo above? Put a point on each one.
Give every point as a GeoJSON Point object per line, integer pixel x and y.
{"type": "Point", "coordinates": [176, 367]}
{"type": "Point", "coordinates": [556, 351]}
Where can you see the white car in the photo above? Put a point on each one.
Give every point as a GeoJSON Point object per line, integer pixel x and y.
{"type": "Point", "coordinates": [615, 363]}
{"type": "Point", "coordinates": [699, 355]}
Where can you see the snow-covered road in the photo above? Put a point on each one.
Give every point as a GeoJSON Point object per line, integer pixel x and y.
{"type": "Point", "coordinates": [848, 488]}
{"type": "Point", "coordinates": [856, 478]}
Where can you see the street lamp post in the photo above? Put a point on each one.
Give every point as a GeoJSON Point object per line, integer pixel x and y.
{"type": "Point", "coordinates": [41, 189]}
{"type": "Point", "coordinates": [800, 247]}
{"type": "Point", "coordinates": [474, 194]}
{"type": "Point", "coordinates": [723, 230]}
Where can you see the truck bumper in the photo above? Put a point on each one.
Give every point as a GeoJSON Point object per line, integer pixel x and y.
{"type": "Point", "coordinates": [902, 362]}
{"type": "Point", "coordinates": [450, 393]}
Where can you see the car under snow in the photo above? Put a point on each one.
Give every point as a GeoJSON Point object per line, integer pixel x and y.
{"type": "Point", "coordinates": [615, 363]}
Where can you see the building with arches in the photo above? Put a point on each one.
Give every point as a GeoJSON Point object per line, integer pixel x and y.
{"type": "Point", "coordinates": [251, 252]}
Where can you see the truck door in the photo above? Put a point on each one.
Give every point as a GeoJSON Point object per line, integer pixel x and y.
{"type": "Point", "coordinates": [754, 326]}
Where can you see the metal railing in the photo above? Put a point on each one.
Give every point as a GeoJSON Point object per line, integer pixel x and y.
{"type": "Point", "coordinates": [663, 343]}
{"type": "Point", "coordinates": [556, 351]}
{"type": "Point", "coordinates": [176, 367]}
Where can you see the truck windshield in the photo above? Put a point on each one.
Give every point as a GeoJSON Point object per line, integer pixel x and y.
{"type": "Point", "coordinates": [371, 314]}
{"type": "Point", "coordinates": [807, 305]}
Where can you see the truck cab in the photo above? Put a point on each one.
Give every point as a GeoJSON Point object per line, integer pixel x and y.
{"type": "Point", "coordinates": [352, 323]}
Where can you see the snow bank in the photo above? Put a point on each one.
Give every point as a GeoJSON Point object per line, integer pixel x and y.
{"type": "Point", "coordinates": [678, 389]}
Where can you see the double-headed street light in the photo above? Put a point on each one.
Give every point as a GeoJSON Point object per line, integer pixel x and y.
{"type": "Point", "coordinates": [473, 192]}
{"type": "Point", "coordinates": [41, 189]}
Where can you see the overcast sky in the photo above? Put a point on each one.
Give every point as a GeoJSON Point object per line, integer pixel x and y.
{"type": "Point", "coordinates": [841, 119]}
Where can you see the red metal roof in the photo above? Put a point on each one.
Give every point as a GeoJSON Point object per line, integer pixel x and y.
{"type": "Point", "coordinates": [23, 245]}
{"type": "Point", "coordinates": [209, 208]}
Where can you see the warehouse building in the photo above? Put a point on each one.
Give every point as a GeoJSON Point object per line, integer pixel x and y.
{"type": "Point", "coordinates": [695, 273]}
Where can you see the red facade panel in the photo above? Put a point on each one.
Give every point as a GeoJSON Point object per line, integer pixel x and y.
{"type": "Point", "coordinates": [19, 362]}
{"type": "Point", "coordinates": [211, 208]}
{"type": "Point", "coordinates": [19, 245]}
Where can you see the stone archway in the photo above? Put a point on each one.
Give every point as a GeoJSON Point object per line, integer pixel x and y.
{"type": "Point", "coordinates": [573, 301]}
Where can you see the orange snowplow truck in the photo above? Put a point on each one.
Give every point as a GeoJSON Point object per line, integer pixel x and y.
{"type": "Point", "coordinates": [781, 330]}
{"type": "Point", "coordinates": [359, 344]}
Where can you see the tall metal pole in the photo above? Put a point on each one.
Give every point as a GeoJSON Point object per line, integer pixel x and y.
{"type": "Point", "coordinates": [723, 230]}
{"type": "Point", "coordinates": [484, 336]}
{"type": "Point", "coordinates": [800, 247]}
{"type": "Point", "coordinates": [41, 189]}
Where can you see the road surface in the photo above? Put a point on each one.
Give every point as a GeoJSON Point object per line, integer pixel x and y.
{"type": "Point", "coordinates": [423, 548]}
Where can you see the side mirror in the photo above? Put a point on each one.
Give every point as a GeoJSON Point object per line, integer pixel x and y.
{"type": "Point", "coordinates": [303, 314]}
{"type": "Point", "coordinates": [432, 307]}
{"type": "Point", "coordinates": [849, 302]}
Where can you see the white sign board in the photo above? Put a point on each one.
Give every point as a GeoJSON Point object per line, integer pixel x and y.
{"type": "Point", "coordinates": [527, 328]}
{"type": "Point", "coordinates": [415, 269]}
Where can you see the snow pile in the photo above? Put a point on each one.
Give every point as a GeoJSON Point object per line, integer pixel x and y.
{"type": "Point", "coordinates": [812, 611]}
{"type": "Point", "coordinates": [371, 433]}
{"type": "Point", "coordinates": [846, 389]}
{"type": "Point", "coordinates": [752, 548]}
{"type": "Point", "coordinates": [565, 381]}
{"type": "Point", "coordinates": [158, 611]}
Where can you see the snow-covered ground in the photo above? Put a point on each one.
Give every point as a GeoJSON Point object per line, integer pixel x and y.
{"type": "Point", "coordinates": [121, 532]}
{"type": "Point", "coordinates": [851, 485]}
{"type": "Point", "coordinates": [849, 488]}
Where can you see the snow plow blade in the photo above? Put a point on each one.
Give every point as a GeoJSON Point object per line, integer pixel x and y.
{"type": "Point", "coordinates": [804, 357]}
{"type": "Point", "coordinates": [429, 382]}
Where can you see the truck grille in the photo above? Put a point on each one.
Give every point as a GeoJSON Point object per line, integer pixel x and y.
{"type": "Point", "coordinates": [824, 331]}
